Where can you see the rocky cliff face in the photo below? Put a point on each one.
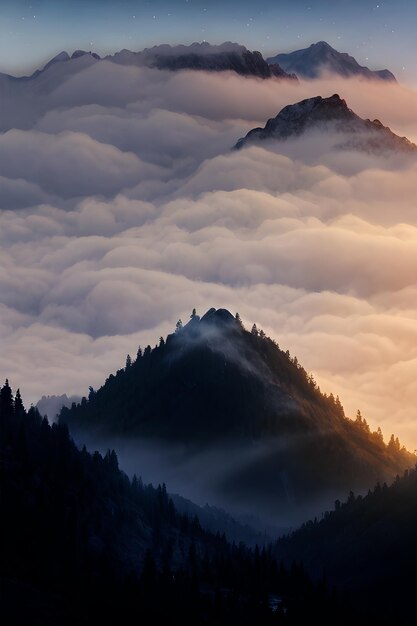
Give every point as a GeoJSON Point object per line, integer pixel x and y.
{"type": "Point", "coordinates": [330, 115]}
{"type": "Point", "coordinates": [246, 64]}
{"type": "Point", "coordinates": [203, 56]}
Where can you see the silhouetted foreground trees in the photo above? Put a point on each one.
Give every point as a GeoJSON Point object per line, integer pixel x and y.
{"type": "Point", "coordinates": [368, 546]}
{"type": "Point", "coordinates": [82, 544]}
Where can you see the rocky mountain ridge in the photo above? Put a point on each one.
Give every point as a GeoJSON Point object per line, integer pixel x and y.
{"type": "Point", "coordinates": [320, 57]}
{"type": "Point", "coordinates": [329, 115]}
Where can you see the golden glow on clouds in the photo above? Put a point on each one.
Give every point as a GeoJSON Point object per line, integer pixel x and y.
{"type": "Point", "coordinates": [319, 248]}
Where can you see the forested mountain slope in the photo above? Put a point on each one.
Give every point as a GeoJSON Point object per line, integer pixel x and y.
{"type": "Point", "coordinates": [367, 545]}
{"type": "Point", "coordinates": [82, 544]}
{"type": "Point", "coordinates": [214, 386]}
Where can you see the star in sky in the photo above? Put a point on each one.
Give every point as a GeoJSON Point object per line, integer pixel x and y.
{"type": "Point", "coordinates": [47, 26]}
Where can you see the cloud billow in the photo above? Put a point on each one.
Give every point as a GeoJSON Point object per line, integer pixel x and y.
{"type": "Point", "coordinates": [122, 207]}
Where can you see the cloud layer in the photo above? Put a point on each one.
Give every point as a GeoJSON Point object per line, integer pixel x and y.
{"type": "Point", "coordinates": [122, 207]}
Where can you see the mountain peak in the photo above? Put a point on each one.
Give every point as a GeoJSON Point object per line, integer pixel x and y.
{"type": "Point", "coordinates": [311, 62]}
{"type": "Point", "coordinates": [62, 56]}
{"type": "Point", "coordinates": [231, 394]}
{"type": "Point", "coordinates": [222, 316]}
{"type": "Point", "coordinates": [317, 108]}
{"type": "Point", "coordinates": [321, 44]}
{"type": "Point", "coordinates": [81, 53]}
{"type": "Point", "coordinates": [59, 58]}
{"type": "Point", "coordinates": [330, 115]}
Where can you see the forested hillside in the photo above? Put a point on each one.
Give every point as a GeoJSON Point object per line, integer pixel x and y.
{"type": "Point", "coordinates": [368, 546]}
{"type": "Point", "coordinates": [82, 544]}
{"type": "Point", "coordinates": [212, 385]}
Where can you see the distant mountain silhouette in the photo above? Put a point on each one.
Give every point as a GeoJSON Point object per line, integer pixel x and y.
{"type": "Point", "coordinates": [52, 405]}
{"type": "Point", "coordinates": [62, 64]}
{"type": "Point", "coordinates": [63, 56]}
{"type": "Point", "coordinates": [238, 404]}
{"type": "Point", "coordinates": [319, 57]}
{"type": "Point", "coordinates": [203, 56]}
{"type": "Point", "coordinates": [367, 545]}
{"type": "Point", "coordinates": [25, 99]}
{"type": "Point", "coordinates": [217, 520]}
{"type": "Point", "coordinates": [331, 116]}
{"type": "Point", "coordinates": [197, 56]}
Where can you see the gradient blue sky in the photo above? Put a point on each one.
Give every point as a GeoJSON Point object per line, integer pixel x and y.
{"type": "Point", "coordinates": [378, 34]}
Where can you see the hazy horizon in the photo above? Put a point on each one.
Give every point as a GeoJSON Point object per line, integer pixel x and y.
{"type": "Point", "coordinates": [27, 68]}
{"type": "Point", "coordinates": [377, 34]}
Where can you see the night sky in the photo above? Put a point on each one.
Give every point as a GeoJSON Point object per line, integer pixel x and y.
{"type": "Point", "coordinates": [379, 35]}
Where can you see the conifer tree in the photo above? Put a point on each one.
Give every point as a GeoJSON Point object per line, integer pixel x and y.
{"type": "Point", "coordinates": [19, 409]}
{"type": "Point", "coordinates": [6, 400]}
{"type": "Point", "coordinates": [239, 320]}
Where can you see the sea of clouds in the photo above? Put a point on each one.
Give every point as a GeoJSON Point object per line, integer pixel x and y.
{"type": "Point", "coordinates": [122, 207]}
